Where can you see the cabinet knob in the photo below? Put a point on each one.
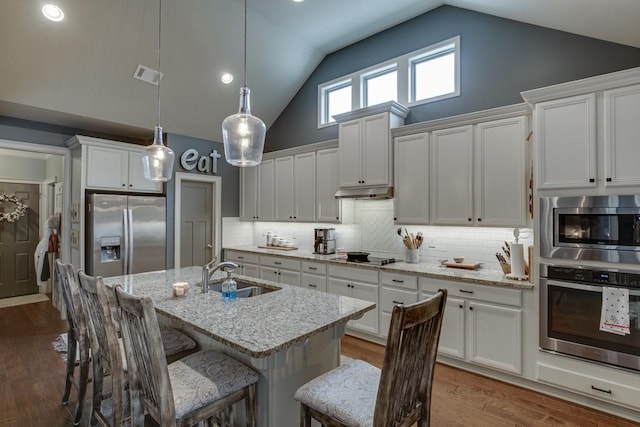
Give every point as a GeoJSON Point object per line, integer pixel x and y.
{"type": "Point", "coordinates": [479, 219]}
{"type": "Point", "coordinates": [592, 180]}
{"type": "Point", "coordinates": [471, 308]}
{"type": "Point", "coordinates": [608, 179]}
{"type": "Point", "coordinates": [469, 219]}
{"type": "Point", "coordinates": [124, 185]}
{"type": "Point", "coordinates": [461, 306]}
{"type": "Point", "coordinates": [337, 217]}
{"type": "Point", "coordinates": [130, 185]}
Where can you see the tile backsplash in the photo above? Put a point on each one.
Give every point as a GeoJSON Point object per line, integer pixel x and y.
{"type": "Point", "coordinates": [373, 230]}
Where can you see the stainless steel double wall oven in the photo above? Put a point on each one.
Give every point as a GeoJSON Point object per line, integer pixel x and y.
{"type": "Point", "coordinates": [585, 239]}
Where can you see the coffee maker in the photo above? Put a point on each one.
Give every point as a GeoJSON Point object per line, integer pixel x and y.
{"type": "Point", "coordinates": [324, 241]}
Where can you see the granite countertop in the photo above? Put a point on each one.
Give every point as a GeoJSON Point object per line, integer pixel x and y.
{"type": "Point", "coordinates": [480, 276]}
{"type": "Point", "coordinates": [258, 326]}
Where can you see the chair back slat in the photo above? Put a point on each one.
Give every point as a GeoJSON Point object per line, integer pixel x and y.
{"type": "Point", "coordinates": [70, 295]}
{"type": "Point", "coordinates": [145, 354]}
{"type": "Point", "coordinates": [404, 394]}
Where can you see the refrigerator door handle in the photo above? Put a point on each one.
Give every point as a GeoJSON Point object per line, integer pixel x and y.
{"type": "Point", "coordinates": [130, 237]}
{"type": "Point", "coordinates": [125, 254]}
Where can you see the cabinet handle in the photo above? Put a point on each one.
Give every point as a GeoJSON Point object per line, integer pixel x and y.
{"type": "Point", "coordinates": [461, 306]}
{"type": "Point", "coordinates": [395, 218]}
{"type": "Point", "coordinates": [397, 281]}
{"type": "Point", "coordinates": [338, 217]}
{"type": "Point", "coordinates": [313, 268]}
{"type": "Point", "coordinates": [469, 219]}
{"type": "Point", "coordinates": [479, 219]}
{"type": "Point", "coordinates": [130, 185]}
{"type": "Point", "coordinates": [277, 263]}
{"type": "Point", "coordinates": [240, 257]}
{"type": "Point", "coordinates": [279, 274]}
{"type": "Point", "coordinates": [471, 308]}
{"type": "Point", "coordinates": [608, 179]}
{"type": "Point", "coordinates": [600, 389]}
{"type": "Point", "coordinates": [124, 185]}
{"type": "Point", "coordinates": [592, 180]}
{"type": "Point", "coordinates": [465, 292]}
{"type": "Point", "coordinates": [312, 285]}
{"type": "Point", "coordinates": [397, 302]}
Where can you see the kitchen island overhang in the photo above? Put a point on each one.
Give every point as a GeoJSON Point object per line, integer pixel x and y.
{"type": "Point", "coordinates": [289, 336]}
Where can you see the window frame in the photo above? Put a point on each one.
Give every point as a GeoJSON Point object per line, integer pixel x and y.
{"type": "Point", "coordinates": [404, 67]}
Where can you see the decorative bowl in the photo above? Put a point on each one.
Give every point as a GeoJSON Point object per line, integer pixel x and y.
{"type": "Point", "coordinates": [458, 259]}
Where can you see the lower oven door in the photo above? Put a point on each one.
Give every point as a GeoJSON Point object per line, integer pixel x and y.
{"type": "Point", "coordinates": [570, 323]}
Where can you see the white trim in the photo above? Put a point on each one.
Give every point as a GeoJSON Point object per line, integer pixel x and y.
{"type": "Point", "coordinates": [301, 149]}
{"type": "Point", "coordinates": [216, 238]}
{"type": "Point", "coordinates": [65, 247]}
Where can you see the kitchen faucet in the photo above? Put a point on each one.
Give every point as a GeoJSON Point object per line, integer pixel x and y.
{"type": "Point", "coordinates": [207, 271]}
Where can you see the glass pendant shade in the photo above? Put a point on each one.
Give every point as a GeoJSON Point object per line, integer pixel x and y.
{"type": "Point", "coordinates": [157, 159]}
{"type": "Point", "coordinates": [243, 135]}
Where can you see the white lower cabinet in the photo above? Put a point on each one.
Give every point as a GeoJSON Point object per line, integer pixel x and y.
{"type": "Point", "coordinates": [248, 264]}
{"type": "Point", "coordinates": [395, 288]}
{"type": "Point", "coordinates": [314, 276]}
{"type": "Point", "coordinates": [356, 283]}
{"type": "Point", "coordinates": [481, 325]}
{"type": "Point", "coordinates": [280, 270]}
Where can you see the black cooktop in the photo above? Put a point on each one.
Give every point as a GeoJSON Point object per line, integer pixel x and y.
{"type": "Point", "coordinates": [370, 260]}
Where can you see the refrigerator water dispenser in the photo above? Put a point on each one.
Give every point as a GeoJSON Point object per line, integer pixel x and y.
{"type": "Point", "coordinates": [110, 249]}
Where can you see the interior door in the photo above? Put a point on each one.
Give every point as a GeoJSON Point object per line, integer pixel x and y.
{"type": "Point", "coordinates": [18, 241]}
{"type": "Point", "coordinates": [196, 223]}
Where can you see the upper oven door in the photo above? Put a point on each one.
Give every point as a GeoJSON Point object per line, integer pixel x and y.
{"type": "Point", "coordinates": [597, 228]}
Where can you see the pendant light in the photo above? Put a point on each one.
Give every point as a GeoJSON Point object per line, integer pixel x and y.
{"type": "Point", "coordinates": [158, 159]}
{"type": "Point", "coordinates": [243, 134]}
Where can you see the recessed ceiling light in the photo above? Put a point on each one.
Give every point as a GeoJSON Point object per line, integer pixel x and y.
{"type": "Point", "coordinates": [298, 1]}
{"type": "Point", "coordinates": [52, 12]}
{"type": "Point", "coordinates": [226, 78]}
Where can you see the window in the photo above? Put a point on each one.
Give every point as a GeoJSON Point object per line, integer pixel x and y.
{"type": "Point", "coordinates": [426, 75]}
{"type": "Point", "coordinates": [380, 86]}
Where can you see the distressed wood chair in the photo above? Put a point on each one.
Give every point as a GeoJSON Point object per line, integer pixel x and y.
{"type": "Point", "coordinates": [108, 352]}
{"type": "Point", "coordinates": [78, 346]}
{"type": "Point", "coordinates": [359, 395]}
{"type": "Point", "coordinates": [199, 387]}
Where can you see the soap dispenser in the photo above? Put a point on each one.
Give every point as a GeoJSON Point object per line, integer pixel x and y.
{"type": "Point", "coordinates": [229, 288]}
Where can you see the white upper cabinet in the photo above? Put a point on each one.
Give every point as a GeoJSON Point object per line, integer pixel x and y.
{"type": "Point", "coordinates": [621, 136]}
{"type": "Point", "coordinates": [295, 187]}
{"type": "Point", "coordinates": [501, 173]}
{"type": "Point", "coordinates": [566, 135]}
{"type": "Point", "coordinates": [266, 187]}
{"type": "Point", "coordinates": [249, 193]}
{"type": "Point", "coordinates": [327, 206]}
{"type": "Point", "coordinates": [451, 176]}
{"type": "Point", "coordinates": [284, 188]}
{"type": "Point", "coordinates": [365, 144]}
{"type": "Point", "coordinates": [411, 178]}
{"type": "Point", "coordinates": [117, 168]}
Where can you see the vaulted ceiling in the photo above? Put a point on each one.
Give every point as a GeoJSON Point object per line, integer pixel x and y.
{"type": "Point", "coordinates": [79, 72]}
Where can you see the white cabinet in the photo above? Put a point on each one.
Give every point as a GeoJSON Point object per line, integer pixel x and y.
{"type": "Point", "coordinates": [365, 144]}
{"type": "Point", "coordinates": [482, 324]}
{"type": "Point", "coordinates": [356, 283]}
{"type": "Point", "coordinates": [327, 183]}
{"type": "Point", "coordinates": [501, 173]}
{"type": "Point", "coordinates": [621, 130]}
{"type": "Point", "coordinates": [411, 175]}
{"type": "Point", "coordinates": [566, 135]}
{"type": "Point", "coordinates": [395, 288]}
{"type": "Point", "coordinates": [314, 276]}
{"type": "Point", "coordinates": [249, 193]}
{"type": "Point", "coordinates": [248, 263]}
{"type": "Point", "coordinates": [281, 270]}
{"type": "Point", "coordinates": [295, 187]}
{"type": "Point", "coordinates": [117, 169]}
{"type": "Point", "coordinates": [451, 176]}
{"type": "Point", "coordinates": [266, 187]}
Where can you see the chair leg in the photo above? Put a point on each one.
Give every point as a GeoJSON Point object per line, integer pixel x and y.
{"type": "Point", "coordinates": [252, 410]}
{"type": "Point", "coordinates": [82, 383]}
{"type": "Point", "coordinates": [98, 379]}
{"type": "Point", "coordinates": [71, 365]}
{"type": "Point", "coordinates": [137, 411]}
{"type": "Point", "coordinates": [305, 416]}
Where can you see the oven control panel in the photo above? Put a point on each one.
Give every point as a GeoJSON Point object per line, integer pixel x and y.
{"type": "Point", "coordinates": [600, 277]}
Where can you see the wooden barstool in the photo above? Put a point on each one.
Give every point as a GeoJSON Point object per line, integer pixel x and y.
{"type": "Point", "coordinates": [196, 388]}
{"type": "Point", "coordinates": [358, 394]}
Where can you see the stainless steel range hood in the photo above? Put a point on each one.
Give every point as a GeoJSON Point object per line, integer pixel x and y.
{"type": "Point", "coordinates": [375, 193]}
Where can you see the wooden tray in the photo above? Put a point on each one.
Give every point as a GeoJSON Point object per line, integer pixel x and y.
{"type": "Point", "coordinates": [280, 248]}
{"type": "Point", "coordinates": [466, 266]}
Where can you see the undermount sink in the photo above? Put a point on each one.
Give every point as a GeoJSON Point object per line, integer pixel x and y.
{"type": "Point", "coordinates": [245, 289]}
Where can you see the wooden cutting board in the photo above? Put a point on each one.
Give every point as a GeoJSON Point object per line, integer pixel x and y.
{"type": "Point", "coordinates": [280, 248]}
{"type": "Point", "coordinates": [467, 266]}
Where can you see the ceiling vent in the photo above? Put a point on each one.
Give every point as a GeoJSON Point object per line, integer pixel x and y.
{"type": "Point", "coordinates": [147, 74]}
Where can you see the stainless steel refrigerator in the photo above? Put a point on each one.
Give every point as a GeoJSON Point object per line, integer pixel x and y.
{"type": "Point", "coordinates": [126, 234]}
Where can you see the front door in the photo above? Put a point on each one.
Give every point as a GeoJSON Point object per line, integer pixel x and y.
{"type": "Point", "coordinates": [18, 241]}
{"type": "Point", "coordinates": [196, 223]}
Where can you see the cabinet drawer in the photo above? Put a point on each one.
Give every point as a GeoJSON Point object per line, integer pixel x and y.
{"type": "Point", "coordinates": [242, 257]}
{"type": "Point", "coordinates": [311, 281]}
{"type": "Point", "coordinates": [314, 267]}
{"type": "Point", "coordinates": [289, 264]}
{"type": "Point", "coordinates": [358, 274]}
{"type": "Point", "coordinates": [399, 280]}
{"type": "Point", "coordinates": [493, 294]}
{"type": "Point", "coordinates": [590, 385]}
{"type": "Point", "coordinates": [390, 297]}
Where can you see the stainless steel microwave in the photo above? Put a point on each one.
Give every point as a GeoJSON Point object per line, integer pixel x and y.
{"type": "Point", "coordinates": [595, 228]}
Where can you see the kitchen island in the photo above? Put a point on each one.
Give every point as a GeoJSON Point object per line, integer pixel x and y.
{"type": "Point", "coordinates": [289, 335]}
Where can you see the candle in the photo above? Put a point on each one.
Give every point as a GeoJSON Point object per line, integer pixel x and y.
{"type": "Point", "coordinates": [180, 289]}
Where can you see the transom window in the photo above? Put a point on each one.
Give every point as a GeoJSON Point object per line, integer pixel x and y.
{"type": "Point", "coordinates": [427, 75]}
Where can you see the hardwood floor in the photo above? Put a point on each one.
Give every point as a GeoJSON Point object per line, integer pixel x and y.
{"type": "Point", "coordinates": [462, 398]}
{"type": "Point", "coordinates": [32, 372]}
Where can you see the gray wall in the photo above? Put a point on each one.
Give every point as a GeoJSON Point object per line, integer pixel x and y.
{"type": "Point", "coordinates": [499, 59]}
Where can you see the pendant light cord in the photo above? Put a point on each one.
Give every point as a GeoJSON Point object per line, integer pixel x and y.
{"type": "Point", "coordinates": [159, 48]}
{"type": "Point", "coordinates": [244, 79]}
